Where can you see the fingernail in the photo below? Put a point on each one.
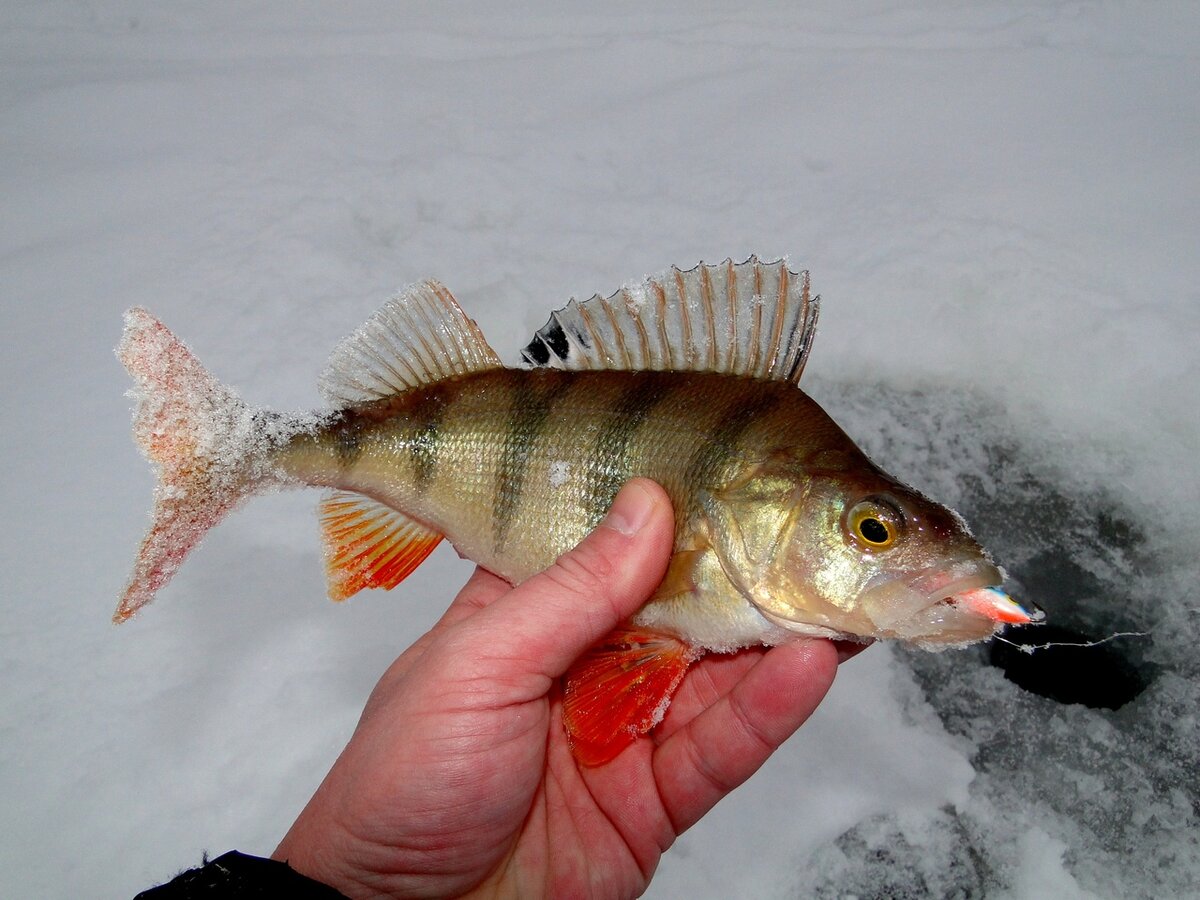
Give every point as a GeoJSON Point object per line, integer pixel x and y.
{"type": "Point", "coordinates": [630, 510]}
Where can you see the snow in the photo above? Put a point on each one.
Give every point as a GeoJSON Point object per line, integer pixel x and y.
{"type": "Point", "coordinates": [560, 472]}
{"type": "Point", "coordinates": [993, 200]}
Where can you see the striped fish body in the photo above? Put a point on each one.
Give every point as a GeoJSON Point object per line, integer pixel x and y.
{"type": "Point", "coordinates": [783, 527]}
{"type": "Point", "coordinates": [516, 466]}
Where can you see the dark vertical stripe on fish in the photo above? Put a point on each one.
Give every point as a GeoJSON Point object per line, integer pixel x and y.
{"type": "Point", "coordinates": [531, 405]}
{"type": "Point", "coordinates": [608, 466]}
{"type": "Point", "coordinates": [346, 429]}
{"type": "Point", "coordinates": [713, 453]}
{"type": "Point", "coordinates": [426, 418]}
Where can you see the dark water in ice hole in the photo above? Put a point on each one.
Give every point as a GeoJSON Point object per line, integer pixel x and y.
{"type": "Point", "coordinates": [1086, 608]}
{"type": "Point", "coordinates": [1092, 753]}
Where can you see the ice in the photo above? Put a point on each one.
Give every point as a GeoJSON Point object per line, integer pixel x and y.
{"type": "Point", "coordinates": [993, 201]}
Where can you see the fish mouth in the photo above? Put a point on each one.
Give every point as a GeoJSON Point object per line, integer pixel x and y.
{"type": "Point", "coordinates": [949, 605]}
{"type": "Point", "coordinates": [974, 586]}
{"type": "Point", "coordinates": [992, 603]}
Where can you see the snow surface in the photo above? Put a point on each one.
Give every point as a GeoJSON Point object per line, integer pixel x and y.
{"type": "Point", "coordinates": [998, 202]}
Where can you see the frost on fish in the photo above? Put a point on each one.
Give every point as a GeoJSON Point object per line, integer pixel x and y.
{"type": "Point", "coordinates": [209, 449]}
{"type": "Point", "coordinates": [783, 526]}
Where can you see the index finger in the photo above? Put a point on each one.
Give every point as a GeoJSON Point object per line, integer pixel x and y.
{"type": "Point", "coordinates": [481, 590]}
{"type": "Point", "coordinates": [724, 745]}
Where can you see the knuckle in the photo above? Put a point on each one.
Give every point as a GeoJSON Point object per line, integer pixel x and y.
{"type": "Point", "coordinates": [712, 776]}
{"type": "Point", "coordinates": [749, 727]}
{"type": "Point", "coordinates": [584, 570]}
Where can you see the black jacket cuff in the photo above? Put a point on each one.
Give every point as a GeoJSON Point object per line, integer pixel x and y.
{"type": "Point", "coordinates": [236, 875]}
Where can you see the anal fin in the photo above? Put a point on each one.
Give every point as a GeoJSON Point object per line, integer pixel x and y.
{"type": "Point", "coordinates": [369, 545]}
{"type": "Point", "coordinates": [620, 689]}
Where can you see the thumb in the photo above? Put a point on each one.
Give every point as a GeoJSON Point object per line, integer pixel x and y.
{"type": "Point", "coordinates": [557, 614]}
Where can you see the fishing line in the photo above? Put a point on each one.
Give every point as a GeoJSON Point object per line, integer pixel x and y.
{"type": "Point", "coordinates": [1029, 648]}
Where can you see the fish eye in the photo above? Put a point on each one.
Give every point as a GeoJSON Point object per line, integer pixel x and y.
{"type": "Point", "coordinates": [874, 524]}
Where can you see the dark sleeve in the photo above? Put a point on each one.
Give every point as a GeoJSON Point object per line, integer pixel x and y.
{"type": "Point", "coordinates": [236, 875]}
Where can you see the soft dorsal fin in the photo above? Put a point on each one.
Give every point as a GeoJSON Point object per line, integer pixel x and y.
{"type": "Point", "coordinates": [752, 318]}
{"type": "Point", "coordinates": [419, 336]}
{"type": "Point", "coordinates": [369, 545]}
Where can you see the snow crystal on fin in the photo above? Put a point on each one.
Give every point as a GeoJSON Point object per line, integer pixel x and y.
{"type": "Point", "coordinates": [419, 336]}
{"type": "Point", "coordinates": [752, 318]}
{"type": "Point", "coordinates": [209, 448]}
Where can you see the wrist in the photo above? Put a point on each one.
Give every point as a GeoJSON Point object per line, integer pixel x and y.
{"type": "Point", "coordinates": [321, 860]}
{"type": "Point", "coordinates": [508, 881]}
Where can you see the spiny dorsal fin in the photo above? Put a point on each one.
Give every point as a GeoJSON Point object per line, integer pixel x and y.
{"type": "Point", "coordinates": [369, 545]}
{"type": "Point", "coordinates": [752, 318]}
{"type": "Point", "coordinates": [418, 337]}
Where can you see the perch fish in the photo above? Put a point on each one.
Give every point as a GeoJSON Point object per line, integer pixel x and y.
{"type": "Point", "coordinates": [783, 526]}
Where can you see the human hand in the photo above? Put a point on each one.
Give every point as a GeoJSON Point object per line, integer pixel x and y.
{"type": "Point", "coordinates": [459, 777]}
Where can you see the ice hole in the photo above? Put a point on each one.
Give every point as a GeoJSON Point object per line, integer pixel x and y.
{"type": "Point", "coordinates": [1074, 668]}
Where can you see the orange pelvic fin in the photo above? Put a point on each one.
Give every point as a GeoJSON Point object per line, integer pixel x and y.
{"type": "Point", "coordinates": [369, 545]}
{"type": "Point", "coordinates": [620, 689]}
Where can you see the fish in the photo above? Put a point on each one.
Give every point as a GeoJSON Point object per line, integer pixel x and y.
{"type": "Point", "coordinates": [784, 527]}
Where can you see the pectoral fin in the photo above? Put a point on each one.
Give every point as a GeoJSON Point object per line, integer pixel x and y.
{"type": "Point", "coordinates": [620, 689]}
{"type": "Point", "coordinates": [681, 573]}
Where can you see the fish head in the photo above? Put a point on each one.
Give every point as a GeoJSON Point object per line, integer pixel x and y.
{"type": "Point", "coordinates": [835, 546]}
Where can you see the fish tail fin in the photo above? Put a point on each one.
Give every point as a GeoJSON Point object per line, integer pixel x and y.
{"type": "Point", "coordinates": [210, 450]}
